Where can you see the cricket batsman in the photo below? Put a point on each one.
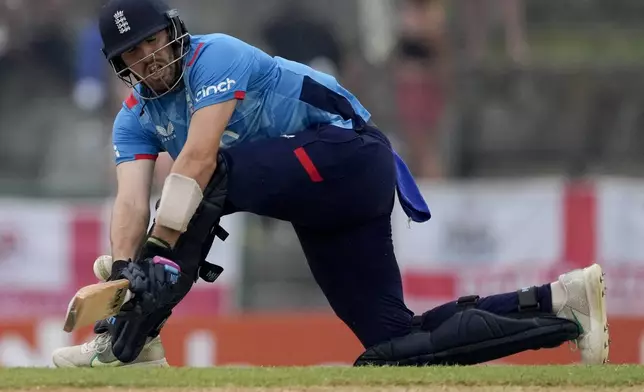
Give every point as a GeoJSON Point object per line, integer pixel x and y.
{"type": "Point", "coordinates": [265, 135]}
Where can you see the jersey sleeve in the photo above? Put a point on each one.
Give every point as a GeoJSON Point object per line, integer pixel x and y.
{"type": "Point", "coordinates": [221, 71]}
{"type": "Point", "coordinates": [130, 140]}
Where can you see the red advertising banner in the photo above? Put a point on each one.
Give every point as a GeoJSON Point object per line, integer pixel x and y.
{"type": "Point", "coordinates": [272, 340]}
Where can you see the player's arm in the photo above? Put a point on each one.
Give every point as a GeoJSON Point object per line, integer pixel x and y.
{"type": "Point", "coordinates": [136, 153]}
{"type": "Point", "coordinates": [198, 158]}
{"type": "Point", "coordinates": [131, 210]}
{"type": "Point", "coordinates": [225, 65]}
{"type": "Point", "coordinates": [197, 161]}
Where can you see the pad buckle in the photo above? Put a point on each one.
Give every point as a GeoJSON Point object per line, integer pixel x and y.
{"type": "Point", "coordinates": [528, 301]}
{"type": "Point", "coordinates": [416, 323]}
{"type": "Point", "coordinates": [467, 301]}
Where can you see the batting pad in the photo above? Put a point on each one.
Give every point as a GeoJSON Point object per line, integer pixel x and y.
{"type": "Point", "coordinates": [470, 337]}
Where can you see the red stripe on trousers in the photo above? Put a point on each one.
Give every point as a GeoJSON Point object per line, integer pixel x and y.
{"type": "Point", "coordinates": [308, 165]}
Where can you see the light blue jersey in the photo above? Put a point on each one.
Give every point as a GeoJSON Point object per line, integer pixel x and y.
{"type": "Point", "coordinates": [270, 90]}
{"type": "Point", "coordinates": [276, 97]}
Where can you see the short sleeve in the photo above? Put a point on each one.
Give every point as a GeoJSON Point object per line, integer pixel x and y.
{"type": "Point", "coordinates": [221, 71]}
{"type": "Point", "coordinates": [130, 139]}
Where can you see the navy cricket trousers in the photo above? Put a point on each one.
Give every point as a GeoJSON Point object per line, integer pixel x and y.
{"type": "Point", "coordinates": [336, 186]}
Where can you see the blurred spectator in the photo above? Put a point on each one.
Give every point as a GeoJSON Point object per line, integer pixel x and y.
{"type": "Point", "coordinates": [479, 17]}
{"type": "Point", "coordinates": [60, 96]}
{"type": "Point", "coordinates": [35, 68]}
{"type": "Point", "coordinates": [421, 83]}
{"type": "Point", "coordinates": [91, 83]}
{"type": "Point", "coordinates": [96, 87]}
{"type": "Point", "coordinates": [295, 34]}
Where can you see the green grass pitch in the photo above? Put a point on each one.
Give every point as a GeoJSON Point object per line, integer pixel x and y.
{"type": "Point", "coordinates": [287, 377]}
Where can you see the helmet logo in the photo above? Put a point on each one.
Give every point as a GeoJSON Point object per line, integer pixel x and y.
{"type": "Point", "coordinates": [121, 22]}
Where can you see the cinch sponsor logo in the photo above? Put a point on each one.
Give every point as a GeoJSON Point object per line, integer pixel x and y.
{"type": "Point", "coordinates": [214, 89]}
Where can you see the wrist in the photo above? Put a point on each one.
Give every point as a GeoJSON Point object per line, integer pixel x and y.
{"type": "Point", "coordinates": [159, 242]}
{"type": "Point", "coordinates": [155, 246]}
{"type": "Point", "coordinates": [165, 234]}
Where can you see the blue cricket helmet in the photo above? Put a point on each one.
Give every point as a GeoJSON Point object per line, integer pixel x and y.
{"type": "Point", "coordinates": [124, 24]}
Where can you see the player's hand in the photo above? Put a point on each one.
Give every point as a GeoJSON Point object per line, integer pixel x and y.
{"type": "Point", "coordinates": [151, 281]}
{"type": "Point", "coordinates": [117, 267]}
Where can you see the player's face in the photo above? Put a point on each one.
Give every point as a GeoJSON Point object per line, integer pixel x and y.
{"type": "Point", "coordinates": [150, 61]}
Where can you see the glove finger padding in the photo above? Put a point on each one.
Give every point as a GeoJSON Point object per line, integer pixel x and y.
{"type": "Point", "coordinates": [117, 267]}
{"type": "Point", "coordinates": [135, 274]}
{"type": "Point", "coordinates": [131, 329]}
{"type": "Point", "coordinates": [130, 332]}
{"type": "Point", "coordinates": [101, 326]}
{"type": "Point", "coordinates": [152, 281]}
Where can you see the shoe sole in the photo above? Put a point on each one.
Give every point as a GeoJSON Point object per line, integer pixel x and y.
{"type": "Point", "coordinates": [63, 363]}
{"type": "Point", "coordinates": [598, 335]}
{"type": "Point", "coordinates": [158, 363]}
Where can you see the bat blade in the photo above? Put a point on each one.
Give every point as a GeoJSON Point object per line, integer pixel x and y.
{"type": "Point", "coordinates": [96, 302]}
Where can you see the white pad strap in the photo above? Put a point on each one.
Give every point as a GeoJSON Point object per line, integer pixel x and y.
{"type": "Point", "coordinates": [180, 198]}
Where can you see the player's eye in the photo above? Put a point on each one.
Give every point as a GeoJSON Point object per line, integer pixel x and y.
{"type": "Point", "coordinates": [151, 39]}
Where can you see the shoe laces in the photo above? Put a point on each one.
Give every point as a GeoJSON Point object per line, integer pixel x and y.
{"type": "Point", "coordinates": [99, 344]}
{"type": "Point", "coordinates": [573, 345]}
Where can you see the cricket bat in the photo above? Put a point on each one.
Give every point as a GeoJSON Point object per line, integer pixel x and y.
{"type": "Point", "coordinates": [96, 302]}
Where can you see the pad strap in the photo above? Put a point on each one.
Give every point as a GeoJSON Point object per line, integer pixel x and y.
{"type": "Point", "coordinates": [463, 303]}
{"type": "Point", "coordinates": [528, 301]}
{"type": "Point", "coordinates": [468, 301]}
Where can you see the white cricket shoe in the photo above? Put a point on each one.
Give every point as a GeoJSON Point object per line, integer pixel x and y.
{"type": "Point", "coordinates": [98, 353]}
{"type": "Point", "coordinates": [585, 303]}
